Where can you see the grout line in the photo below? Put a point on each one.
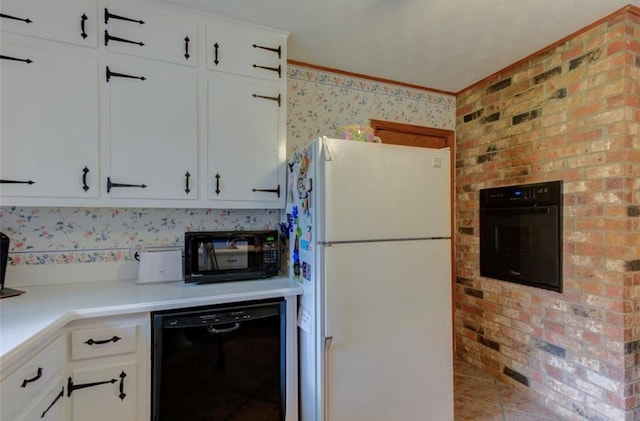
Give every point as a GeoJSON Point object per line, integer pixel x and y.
{"type": "Point", "coordinates": [500, 400]}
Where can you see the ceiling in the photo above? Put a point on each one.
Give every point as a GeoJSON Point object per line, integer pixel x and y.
{"type": "Point", "coordinates": [441, 44]}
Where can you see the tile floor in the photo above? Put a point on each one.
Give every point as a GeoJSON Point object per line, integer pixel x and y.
{"type": "Point", "coordinates": [480, 397]}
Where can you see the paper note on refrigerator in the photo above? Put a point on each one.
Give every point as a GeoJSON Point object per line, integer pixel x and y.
{"type": "Point", "coordinates": [304, 320]}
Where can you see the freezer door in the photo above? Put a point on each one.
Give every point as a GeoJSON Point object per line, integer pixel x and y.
{"type": "Point", "coordinates": [388, 320]}
{"type": "Point", "coordinates": [378, 191]}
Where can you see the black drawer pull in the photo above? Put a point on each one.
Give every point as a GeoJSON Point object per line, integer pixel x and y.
{"type": "Point", "coordinates": [275, 50]}
{"type": "Point", "coordinates": [85, 186]}
{"type": "Point", "coordinates": [278, 69]}
{"type": "Point", "coordinates": [108, 38]}
{"type": "Point", "coordinates": [215, 53]}
{"type": "Point", "coordinates": [25, 382]}
{"type": "Point", "coordinates": [24, 60]}
{"type": "Point", "coordinates": [83, 19]}
{"type": "Point", "coordinates": [186, 47]}
{"type": "Point", "coordinates": [270, 98]}
{"type": "Point", "coordinates": [25, 20]}
{"type": "Point", "coordinates": [60, 395]}
{"type": "Point", "coordinates": [276, 190]}
{"type": "Point", "coordinates": [108, 16]}
{"type": "Point", "coordinates": [122, 394]}
{"type": "Point", "coordinates": [187, 176]}
{"type": "Point", "coordinates": [217, 184]}
{"type": "Point", "coordinates": [29, 182]}
{"type": "Point", "coordinates": [102, 342]}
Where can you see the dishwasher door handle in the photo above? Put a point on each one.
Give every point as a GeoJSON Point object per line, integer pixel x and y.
{"type": "Point", "coordinates": [212, 329]}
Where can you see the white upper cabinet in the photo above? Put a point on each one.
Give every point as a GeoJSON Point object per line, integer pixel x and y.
{"type": "Point", "coordinates": [148, 116]}
{"type": "Point", "coordinates": [153, 131]}
{"type": "Point", "coordinates": [151, 32]}
{"type": "Point", "coordinates": [246, 148]}
{"type": "Point", "coordinates": [69, 21]}
{"type": "Point", "coordinates": [245, 51]}
{"type": "Point", "coordinates": [49, 130]}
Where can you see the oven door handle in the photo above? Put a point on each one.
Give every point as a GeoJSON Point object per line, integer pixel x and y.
{"type": "Point", "coordinates": [212, 329]}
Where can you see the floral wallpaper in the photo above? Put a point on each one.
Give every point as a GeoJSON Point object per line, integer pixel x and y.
{"type": "Point", "coordinates": [76, 235]}
{"type": "Point", "coordinates": [319, 103]}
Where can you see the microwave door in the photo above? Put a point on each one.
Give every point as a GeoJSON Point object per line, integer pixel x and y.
{"type": "Point", "coordinates": [214, 258]}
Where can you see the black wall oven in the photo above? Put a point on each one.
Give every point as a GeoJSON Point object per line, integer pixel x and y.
{"type": "Point", "coordinates": [220, 363]}
{"type": "Point", "coordinates": [521, 234]}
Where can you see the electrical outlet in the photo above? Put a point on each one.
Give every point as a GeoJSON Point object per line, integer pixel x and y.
{"type": "Point", "coordinates": [437, 162]}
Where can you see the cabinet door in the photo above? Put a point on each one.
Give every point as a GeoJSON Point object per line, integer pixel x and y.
{"type": "Point", "coordinates": [50, 407]}
{"type": "Point", "coordinates": [49, 123]}
{"type": "Point", "coordinates": [245, 51]}
{"type": "Point", "coordinates": [71, 21]}
{"type": "Point", "coordinates": [152, 32]}
{"type": "Point", "coordinates": [246, 148]}
{"type": "Point", "coordinates": [104, 392]}
{"type": "Point", "coordinates": [153, 130]}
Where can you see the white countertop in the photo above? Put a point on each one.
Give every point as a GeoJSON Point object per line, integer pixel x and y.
{"type": "Point", "coordinates": [27, 319]}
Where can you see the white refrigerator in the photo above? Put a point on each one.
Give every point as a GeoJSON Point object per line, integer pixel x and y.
{"type": "Point", "coordinates": [370, 241]}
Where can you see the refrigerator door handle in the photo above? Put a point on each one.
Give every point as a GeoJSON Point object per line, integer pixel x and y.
{"type": "Point", "coordinates": [325, 149]}
{"type": "Point", "coordinates": [327, 343]}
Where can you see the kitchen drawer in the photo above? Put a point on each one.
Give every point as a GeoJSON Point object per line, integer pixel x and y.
{"type": "Point", "coordinates": [26, 383]}
{"type": "Point", "coordinates": [100, 342]}
{"type": "Point", "coordinates": [50, 407]}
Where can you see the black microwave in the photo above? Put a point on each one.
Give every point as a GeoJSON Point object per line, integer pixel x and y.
{"type": "Point", "coordinates": [222, 256]}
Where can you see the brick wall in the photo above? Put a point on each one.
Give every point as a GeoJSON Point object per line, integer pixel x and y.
{"type": "Point", "coordinates": [571, 113]}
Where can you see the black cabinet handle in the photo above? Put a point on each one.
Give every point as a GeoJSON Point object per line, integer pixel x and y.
{"type": "Point", "coordinates": [108, 16]}
{"type": "Point", "coordinates": [278, 69]}
{"type": "Point", "coordinates": [111, 185]}
{"type": "Point", "coordinates": [60, 395]}
{"type": "Point", "coordinates": [24, 60]}
{"type": "Point", "coordinates": [25, 382]}
{"type": "Point", "coordinates": [102, 342]}
{"type": "Point", "coordinates": [25, 20]}
{"type": "Point", "coordinates": [111, 74]}
{"type": "Point", "coordinates": [270, 98]}
{"type": "Point", "coordinates": [108, 38]}
{"type": "Point", "coordinates": [275, 50]}
{"type": "Point", "coordinates": [215, 53]}
{"type": "Point", "coordinates": [85, 171]}
{"type": "Point", "coordinates": [72, 387]}
{"type": "Point", "coordinates": [217, 184]}
{"type": "Point", "coordinates": [276, 190]}
{"type": "Point", "coordinates": [83, 19]}
{"type": "Point", "coordinates": [122, 394]}
{"type": "Point", "coordinates": [187, 176]}
{"type": "Point", "coordinates": [29, 182]}
{"type": "Point", "coordinates": [186, 48]}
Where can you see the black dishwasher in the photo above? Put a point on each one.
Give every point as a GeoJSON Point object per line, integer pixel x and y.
{"type": "Point", "coordinates": [219, 363]}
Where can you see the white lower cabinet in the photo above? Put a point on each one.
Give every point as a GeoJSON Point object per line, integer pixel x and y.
{"type": "Point", "coordinates": [108, 373]}
{"type": "Point", "coordinates": [104, 392]}
{"type": "Point", "coordinates": [25, 385]}
{"type": "Point", "coordinates": [50, 406]}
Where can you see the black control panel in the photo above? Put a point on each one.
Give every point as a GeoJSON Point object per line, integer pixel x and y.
{"type": "Point", "coordinates": [222, 316]}
{"type": "Point", "coordinates": [270, 257]}
{"type": "Point", "coordinates": [539, 194]}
